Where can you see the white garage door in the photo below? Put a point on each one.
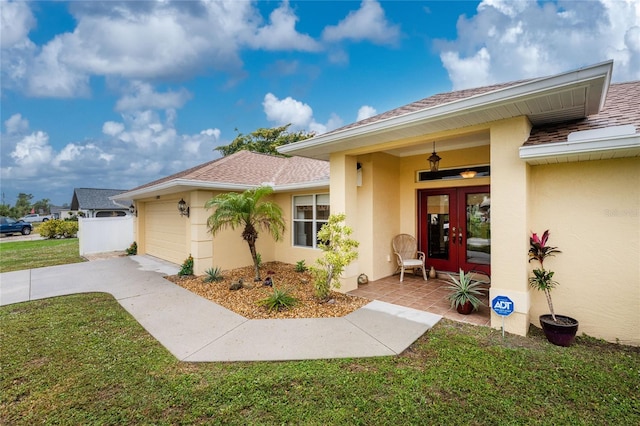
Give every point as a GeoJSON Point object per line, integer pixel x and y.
{"type": "Point", "coordinates": [165, 231]}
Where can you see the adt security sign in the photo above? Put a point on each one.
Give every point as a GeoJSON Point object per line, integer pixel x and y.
{"type": "Point", "coordinates": [502, 306]}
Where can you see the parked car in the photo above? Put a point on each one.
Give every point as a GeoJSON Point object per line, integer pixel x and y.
{"type": "Point", "coordinates": [10, 226]}
{"type": "Point", "coordinates": [34, 217]}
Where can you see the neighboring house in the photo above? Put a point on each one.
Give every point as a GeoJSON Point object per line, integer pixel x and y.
{"type": "Point", "coordinates": [94, 202]}
{"type": "Point", "coordinates": [559, 153]}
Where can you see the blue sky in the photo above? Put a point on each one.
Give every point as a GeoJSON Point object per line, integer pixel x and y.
{"type": "Point", "coordinates": [114, 94]}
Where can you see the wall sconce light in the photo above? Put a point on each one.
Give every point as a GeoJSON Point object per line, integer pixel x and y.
{"type": "Point", "coordinates": [434, 159]}
{"type": "Point", "coordinates": [183, 208]}
{"type": "Point", "coordinates": [358, 174]}
{"type": "Point", "coordinates": [468, 174]}
{"type": "Point", "coordinates": [132, 210]}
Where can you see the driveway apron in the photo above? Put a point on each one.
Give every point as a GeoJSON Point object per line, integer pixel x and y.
{"type": "Point", "coordinates": [195, 329]}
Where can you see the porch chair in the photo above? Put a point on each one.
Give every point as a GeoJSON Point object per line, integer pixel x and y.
{"type": "Point", "coordinates": [405, 247]}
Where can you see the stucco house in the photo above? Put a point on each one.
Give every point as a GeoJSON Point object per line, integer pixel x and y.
{"type": "Point", "coordinates": [560, 152]}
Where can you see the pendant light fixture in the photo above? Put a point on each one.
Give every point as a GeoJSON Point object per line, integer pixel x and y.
{"type": "Point", "coordinates": [434, 159]}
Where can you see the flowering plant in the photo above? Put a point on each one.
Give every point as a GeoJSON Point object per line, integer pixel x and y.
{"type": "Point", "coordinates": [542, 279]}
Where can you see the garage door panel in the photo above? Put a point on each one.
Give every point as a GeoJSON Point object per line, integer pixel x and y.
{"type": "Point", "coordinates": [165, 232]}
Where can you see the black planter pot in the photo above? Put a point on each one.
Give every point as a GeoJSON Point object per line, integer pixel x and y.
{"type": "Point", "coordinates": [561, 333]}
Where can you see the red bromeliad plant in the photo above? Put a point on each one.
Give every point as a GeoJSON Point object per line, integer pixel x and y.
{"type": "Point", "coordinates": [542, 279]}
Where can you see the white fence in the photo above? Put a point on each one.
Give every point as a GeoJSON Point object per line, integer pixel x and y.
{"type": "Point", "coordinates": [104, 234]}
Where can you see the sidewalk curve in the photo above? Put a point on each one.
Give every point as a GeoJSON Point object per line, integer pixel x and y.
{"type": "Point", "coordinates": [195, 329]}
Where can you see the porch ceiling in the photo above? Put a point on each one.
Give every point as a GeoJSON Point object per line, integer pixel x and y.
{"type": "Point", "coordinates": [562, 97]}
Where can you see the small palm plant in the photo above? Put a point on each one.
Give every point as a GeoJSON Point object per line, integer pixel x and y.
{"type": "Point", "coordinates": [542, 279]}
{"type": "Point", "coordinates": [213, 275]}
{"type": "Point", "coordinates": [279, 300]}
{"type": "Point", "coordinates": [465, 292]}
{"type": "Point", "coordinates": [250, 212]}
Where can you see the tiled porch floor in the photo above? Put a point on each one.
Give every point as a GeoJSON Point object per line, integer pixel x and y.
{"type": "Point", "coordinates": [417, 293]}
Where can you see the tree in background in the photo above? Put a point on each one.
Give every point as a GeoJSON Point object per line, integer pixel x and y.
{"type": "Point", "coordinates": [23, 206]}
{"type": "Point", "coordinates": [264, 140]}
{"type": "Point", "coordinates": [248, 211]}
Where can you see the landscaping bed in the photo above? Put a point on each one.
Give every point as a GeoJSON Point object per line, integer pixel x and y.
{"type": "Point", "coordinates": [245, 301]}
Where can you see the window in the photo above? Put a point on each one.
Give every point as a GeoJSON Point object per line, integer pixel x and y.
{"type": "Point", "coordinates": [310, 212]}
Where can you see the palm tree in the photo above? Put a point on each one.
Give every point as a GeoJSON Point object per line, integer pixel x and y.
{"type": "Point", "coordinates": [233, 210]}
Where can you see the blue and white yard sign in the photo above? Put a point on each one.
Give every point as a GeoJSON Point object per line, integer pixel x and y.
{"type": "Point", "coordinates": [502, 306]}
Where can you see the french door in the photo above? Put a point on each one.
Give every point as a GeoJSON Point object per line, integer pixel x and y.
{"type": "Point", "coordinates": [454, 228]}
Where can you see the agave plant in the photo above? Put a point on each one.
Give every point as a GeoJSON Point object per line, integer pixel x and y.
{"type": "Point", "coordinates": [465, 289]}
{"type": "Point", "coordinates": [542, 279]}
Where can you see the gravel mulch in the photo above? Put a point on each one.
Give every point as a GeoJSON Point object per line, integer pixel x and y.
{"type": "Point", "coordinates": [245, 300]}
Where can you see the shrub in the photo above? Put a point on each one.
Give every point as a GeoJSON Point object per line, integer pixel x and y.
{"type": "Point", "coordinates": [338, 251]}
{"type": "Point", "coordinates": [57, 228]}
{"type": "Point", "coordinates": [258, 260]}
{"type": "Point", "coordinates": [133, 249]}
{"type": "Point", "coordinates": [278, 300]}
{"type": "Point", "coordinates": [300, 266]}
{"type": "Point", "coordinates": [213, 275]}
{"type": "Point", "coordinates": [187, 267]}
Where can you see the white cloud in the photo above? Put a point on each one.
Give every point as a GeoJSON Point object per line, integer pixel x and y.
{"type": "Point", "coordinates": [367, 23]}
{"type": "Point", "coordinates": [16, 124]}
{"type": "Point", "coordinates": [148, 41]}
{"type": "Point", "coordinates": [143, 147]}
{"type": "Point", "coordinates": [16, 21]}
{"type": "Point", "coordinates": [288, 110]}
{"type": "Point", "coordinates": [32, 152]}
{"type": "Point", "coordinates": [281, 33]}
{"type": "Point", "coordinates": [508, 40]}
{"type": "Point", "coordinates": [298, 114]}
{"type": "Point", "coordinates": [146, 98]}
{"type": "Point", "coordinates": [366, 111]}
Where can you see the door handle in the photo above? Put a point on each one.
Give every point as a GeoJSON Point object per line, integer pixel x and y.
{"type": "Point", "coordinates": [460, 238]}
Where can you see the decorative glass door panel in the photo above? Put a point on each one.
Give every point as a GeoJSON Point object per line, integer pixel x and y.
{"type": "Point", "coordinates": [455, 228]}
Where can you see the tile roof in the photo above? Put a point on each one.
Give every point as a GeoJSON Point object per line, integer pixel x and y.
{"type": "Point", "coordinates": [621, 107]}
{"type": "Point", "coordinates": [252, 169]}
{"type": "Point", "coordinates": [97, 199]}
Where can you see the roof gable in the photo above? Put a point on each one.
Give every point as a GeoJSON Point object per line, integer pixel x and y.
{"type": "Point", "coordinates": [97, 199]}
{"type": "Point", "coordinates": [620, 108]}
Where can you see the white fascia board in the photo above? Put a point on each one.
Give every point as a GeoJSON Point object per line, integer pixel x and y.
{"type": "Point", "coordinates": [481, 101]}
{"type": "Point", "coordinates": [177, 183]}
{"type": "Point", "coordinates": [302, 186]}
{"type": "Point", "coordinates": [188, 184]}
{"type": "Point", "coordinates": [551, 150]}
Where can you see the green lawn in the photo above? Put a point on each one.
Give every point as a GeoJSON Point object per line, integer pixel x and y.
{"type": "Point", "coordinates": [83, 359]}
{"type": "Point", "coordinates": [19, 255]}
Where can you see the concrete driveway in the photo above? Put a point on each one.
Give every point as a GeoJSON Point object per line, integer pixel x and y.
{"type": "Point", "coordinates": [195, 329]}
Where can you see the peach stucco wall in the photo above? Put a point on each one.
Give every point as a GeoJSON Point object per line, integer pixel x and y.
{"type": "Point", "coordinates": [226, 250]}
{"type": "Point", "coordinates": [592, 210]}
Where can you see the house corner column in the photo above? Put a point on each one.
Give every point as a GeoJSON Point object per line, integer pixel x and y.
{"type": "Point", "coordinates": [343, 199]}
{"type": "Point", "coordinates": [200, 239]}
{"type": "Point", "coordinates": [510, 222]}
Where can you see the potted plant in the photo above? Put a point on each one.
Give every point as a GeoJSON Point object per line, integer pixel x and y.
{"type": "Point", "coordinates": [465, 292]}
{"type": "Point", "coordinates": [559, 329]}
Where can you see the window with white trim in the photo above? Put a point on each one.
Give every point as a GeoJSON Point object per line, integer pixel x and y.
{"type": "Point", "coordinates": [310, 212]}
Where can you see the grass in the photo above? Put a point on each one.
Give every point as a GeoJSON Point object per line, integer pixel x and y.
{"type": "Point", "coordinates": [19, 255]}
{"type": "Point", "coordinates": [83, 359]}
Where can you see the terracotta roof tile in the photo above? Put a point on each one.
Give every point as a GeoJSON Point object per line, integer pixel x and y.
{"type": "Point", "coordinates": [621, 107]}
{"type": "Point", "coordinates": [250, 168]}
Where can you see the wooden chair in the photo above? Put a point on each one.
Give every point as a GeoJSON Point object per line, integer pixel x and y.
{"type": "Point", "coordinates": [405, 247]}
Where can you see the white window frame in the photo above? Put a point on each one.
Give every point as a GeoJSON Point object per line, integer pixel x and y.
{"type": "Point", "coordinates": [314, 220]}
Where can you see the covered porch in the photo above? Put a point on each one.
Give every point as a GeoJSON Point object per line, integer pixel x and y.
{"type": "Point", "coordinates": [416, 293]}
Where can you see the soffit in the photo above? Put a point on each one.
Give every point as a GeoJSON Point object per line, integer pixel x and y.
{"type": "Point", "coordinates": [559, 98]}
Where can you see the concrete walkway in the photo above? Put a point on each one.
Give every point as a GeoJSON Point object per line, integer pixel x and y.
{"type": "Point", "coordinates": [195, 329]}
